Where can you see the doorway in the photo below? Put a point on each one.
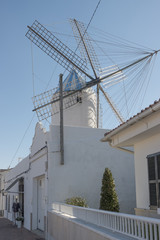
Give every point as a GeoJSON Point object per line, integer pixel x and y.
{"type": "Point", "coordinates": [40, 202]}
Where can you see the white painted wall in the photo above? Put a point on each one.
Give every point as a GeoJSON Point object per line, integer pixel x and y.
{"type": "Point", "coordinates": [37, 161]}
{"type": "Point", "coordinates": [142, 132]}
{"type": "Point", "coordinates": [30, 168]}
{"type": "Point", "coordinates": [82, 114]}
{"type": "Point", "coordinates": [2, 198]}
{"type": "Point", "coordinates": [135, 131]}
{"type": "Point", "coordinates": [21, 168]}
{"type": "Point", "coordinates": [39, 139]}
{"type": "Point", "coordinates": [143, 148]}
{"type": "Point", "coordinates": [85, 159]}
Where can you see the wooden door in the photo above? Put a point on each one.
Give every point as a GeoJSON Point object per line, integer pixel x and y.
{"type": "Point", "coordinates": [40, 203]}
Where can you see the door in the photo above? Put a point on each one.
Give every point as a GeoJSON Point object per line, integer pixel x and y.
{"type": "Point", "coordinates": [40, 203]}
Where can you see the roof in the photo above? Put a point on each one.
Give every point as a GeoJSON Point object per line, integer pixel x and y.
{"type": "Point", "coordinates": [13, 183]}
{"type": "Point", "coordinates": [144, 113]}
{"type": "Point", "coordinates": [4, 170]}
{"type": "Point", "coordinates": [73, 82]}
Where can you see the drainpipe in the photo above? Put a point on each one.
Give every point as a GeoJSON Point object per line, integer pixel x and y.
{"type": "Point", "coordinates": [46, 237]}
{"type": "Point", "coordinates": [61, 119]}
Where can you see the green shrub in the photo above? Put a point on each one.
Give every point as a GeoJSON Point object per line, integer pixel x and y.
{"type": "Point", "coordinates": [19, 219]}
{"type": "Point", "coordinates": [76, 201]}
{"type": "Point", "coordinates": [109, 199]}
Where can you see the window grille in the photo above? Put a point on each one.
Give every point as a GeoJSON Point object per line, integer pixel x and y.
{"type": "Point", "coordinates": [154, 179]}
{"type": "Point", "coordinates": [8, 203]}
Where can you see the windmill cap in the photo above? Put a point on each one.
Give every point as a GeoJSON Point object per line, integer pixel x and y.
{"type": "Point", "coordinates": [73, 82]}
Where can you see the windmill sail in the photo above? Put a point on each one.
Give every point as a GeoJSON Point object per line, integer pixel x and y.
{"type": "Point", "coordinates": [53, 47]}
{"type": "Point", "coordinates": [117, 76]}
{"type": "Point", "coordinates": [80, 33]}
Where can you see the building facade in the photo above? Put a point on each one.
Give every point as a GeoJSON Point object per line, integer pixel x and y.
{"type": "Point", "coordinates": [143, 133]}
{"type": "Point", "coordinates": [41, 179]}
{"type": "Point", "coordinates": [2, 198]}
{"type": "Point", "coordinates": [45, 180]}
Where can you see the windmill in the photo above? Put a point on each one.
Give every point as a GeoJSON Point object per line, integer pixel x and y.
{"type": "Point", "coordinates": [68, 59]}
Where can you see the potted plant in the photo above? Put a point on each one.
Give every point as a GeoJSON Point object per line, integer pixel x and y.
{"type": "Point", "coordinates": [19, 221]}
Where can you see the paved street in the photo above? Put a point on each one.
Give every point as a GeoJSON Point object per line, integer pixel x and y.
{"type": "Point", "coordinates": [10, 232]}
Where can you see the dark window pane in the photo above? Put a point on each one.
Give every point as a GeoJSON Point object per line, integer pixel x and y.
{"type": "Point", "coordinates": [151, 168]}
{"type": "Point", "coordinates": [21, 188]}
{"type": "Point", "coordinates": [153, 197]}
{"type": "Point", "coordinates": [159, 196]}
{"type": "Point", "coordinates": [158, 166]}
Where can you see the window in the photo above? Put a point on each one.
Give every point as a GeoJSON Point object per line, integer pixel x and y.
{"type": "Point", "coordinates": [21, 195]}
{"type": "Point", "coordinates": [154, 179]}
{"type": "Point", "coordinates": [8, 203]}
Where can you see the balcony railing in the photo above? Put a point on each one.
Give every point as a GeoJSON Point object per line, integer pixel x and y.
{"type": "Point", "coordinates": [130, 225]}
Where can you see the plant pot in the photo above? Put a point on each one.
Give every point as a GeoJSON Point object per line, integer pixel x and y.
{"type": "Point", "coordinates": [19, 224]}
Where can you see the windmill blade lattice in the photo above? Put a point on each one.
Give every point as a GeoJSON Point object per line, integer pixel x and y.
{"type": "Point", "coordinates": [43, 103]}
{"type": "Point", "coordinates": [80, 33]}
{"type": "Point", "coordinates": [53, 47]}
{"type": "Point", "coordinates": [47, 104]}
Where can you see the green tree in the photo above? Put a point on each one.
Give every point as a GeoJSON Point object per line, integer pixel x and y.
{"type": "Point", "coordinates": [109, 199]}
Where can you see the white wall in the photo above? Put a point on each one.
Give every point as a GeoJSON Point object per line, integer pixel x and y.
{"type": "Point", "coordinates": [64, 227]}
{"type": "Point", "coordinates": [137, 131]}
{"type": "Point", "coordinates": [81, 114]}
{"type": "Point", "coordinates": [2, 198]}
{"type": "Point", "coordinates": [37, 160]}
{"type": "Point", "coordinates": [20, 170]}
{"type": "Point", "coordinates": [143, 148]}
{"type": "Point", "coordinates": [21, 167]}
{"type": "Point", "coordinates": [85, 159]}
{"type": "Point", "coordinates": [30, 168]}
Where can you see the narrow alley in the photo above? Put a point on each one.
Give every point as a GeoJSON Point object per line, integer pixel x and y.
{"type": "Point", "coordinates": [8, 231]}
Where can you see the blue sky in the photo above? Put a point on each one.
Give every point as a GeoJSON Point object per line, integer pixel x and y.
{"type": "Point", "coordinates": [135, 20]}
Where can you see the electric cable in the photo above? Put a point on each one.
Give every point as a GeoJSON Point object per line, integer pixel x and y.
{"type": "Point", "coordinates": [33, 85]}
{"type": "Point", "coordinates": [21, 140]}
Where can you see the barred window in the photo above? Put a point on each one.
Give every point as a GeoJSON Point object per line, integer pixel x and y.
{"type": "Point", "coordinates": [154, 179]}
{"type": "Point", "coordinates": [8, 203]}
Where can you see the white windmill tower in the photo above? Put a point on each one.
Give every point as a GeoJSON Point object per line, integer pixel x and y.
{"type": "Point", "coordinates": [83, 113]}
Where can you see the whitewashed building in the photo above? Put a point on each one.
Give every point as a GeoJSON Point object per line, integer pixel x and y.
{"type": "Point", "coordinates": [40, 179]}
{"type": "Point", "coordinates": [143, 133]}
{"type": "Point", "coordinates": [2, 198]}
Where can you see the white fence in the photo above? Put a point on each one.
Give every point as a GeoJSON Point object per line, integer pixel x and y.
{"type": "Point", "coordinates": [131, 225]}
